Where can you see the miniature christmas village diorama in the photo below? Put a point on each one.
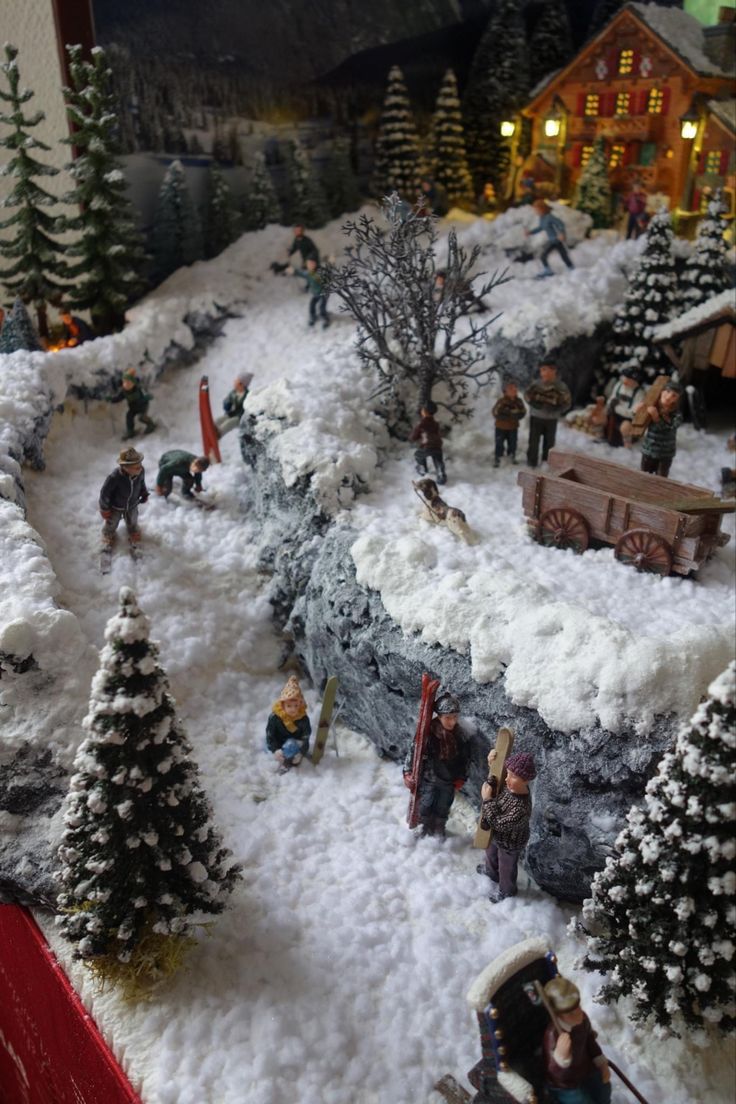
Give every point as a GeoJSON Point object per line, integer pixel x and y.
{"type": "Point", "coordinates": [393, 396]}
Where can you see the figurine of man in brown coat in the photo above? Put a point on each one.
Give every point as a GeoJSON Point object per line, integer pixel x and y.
{"type": "Point", "coordinates": [548, 398]}
{"type": "Point", "coordinates": [576, 1070]}
{"type": "Point", "coordinates": [508, 412]}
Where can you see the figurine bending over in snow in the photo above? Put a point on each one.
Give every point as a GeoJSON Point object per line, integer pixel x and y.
{"type": "Point", "coordinates": [438, 512]}
{"type": "Point", "coordinates": [576, 1070]}
{"type": "Point", "coordinates": [288, 728]}
{"type": "Point", "coordinates": [444, 769]}
{"type": "Point", "coordinates": [121, 493]}
{"type": "Point", "coordinates": [233, 404]}
{"type": "Point", "coordinates": [507, 812]}
{"type": "Point", "coordinates": [176, 463]}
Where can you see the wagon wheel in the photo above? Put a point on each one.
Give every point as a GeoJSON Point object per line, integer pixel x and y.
{"type": "Point", "coordinates": [647, 551]}
{"type": "Point", "coordinates": [564, 528]}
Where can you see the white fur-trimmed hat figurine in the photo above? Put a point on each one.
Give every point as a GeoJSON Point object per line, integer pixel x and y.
{"type": "Point", "coordinates": [288, 728]}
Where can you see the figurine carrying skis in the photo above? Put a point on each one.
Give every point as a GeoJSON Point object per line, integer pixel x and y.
{"type": "Point", "coordinates": [444, 766]}
{"type": "Point", "coordinates": [138, 402]}
{"type": "Point", "coordinates": [122, 492]}
{"type": "Point", "coordinates": [507, 811]}
{"type": "Point", "coordinates": [288, 728]}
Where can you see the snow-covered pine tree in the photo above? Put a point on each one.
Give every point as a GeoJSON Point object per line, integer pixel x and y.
{"type": "Point", "coordinates": [706, 273]}
{"type": "Point", "coordinates": [339, 181]}
{"type": "Point", "coordinates": [38, 269]}
{"type": "Point", "coordinates": [177, 233]}
{"type": "Point", "coordinates": [498, 86]}
{"type": "Point", "coordinates": [140, 857]}
{"type": "Point", "coordinates": [651, 299]}
{"type": "Point", "coordinates": [660, 921]}
{"type": "Point", "coordinates": [17, 331]}
{"type": "Point", "coordinates": [110, 249]}
{"type": "Point", "coordinates": [550, 45]}
{"type": "Point", "coordinates": [305, 200]}
{"type": "Point", "coordinates": [593, 192]}
{"type": "Point", "coordinates": [450, 162]}
{"type": "Point", "coordinates": [397, 166]}
{"type": "Point", "coordinates": [221, 222]}
{"type": "Point", "coordinates": [260, 205]}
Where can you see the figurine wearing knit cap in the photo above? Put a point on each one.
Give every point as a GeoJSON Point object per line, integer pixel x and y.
{"type": "Point", "coordinates": [507, 812]}
{"type": "Point", "coordinates": [444, 767]}
{"type": "Point", "coordinates": [233, 404]}
{"type": "Point", "coordinates": [288, 728]}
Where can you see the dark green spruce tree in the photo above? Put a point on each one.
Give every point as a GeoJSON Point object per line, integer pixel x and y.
{"type": "Point", "coordinates": [108, 272]}
{"type": "Point", "coordinates": [37, 268]}
{"type": "Point", "coordinates": [17, 331]}
{"type": "Point", "coordinates": [449, 159]}
{"type": "Point", "coordinates": [221, 221]}
{"type": "Point", "coordinates": [398, 161]}
{"type": "Point", "coordinates": [140, 856]}
{"type": "Point", "coordinates": [177, 233]}
{"type": "Point", "coordinates": [260, 204]}
{"type": "Point", "coordinates": [306, 202]}
{"type": "Point", "coordinates": [707, 272]}
{"type": "Point", "coordinates": [550, 45]}
{"type": "Point", "coordinates": [339, 181]}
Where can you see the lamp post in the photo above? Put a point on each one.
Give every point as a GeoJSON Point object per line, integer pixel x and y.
{"type": "Point", "coordinates": [555, 128]}
{"type": "Point", "coordinates": [510, 130]}
{"type": "Point", "coordinates": [692, 126]}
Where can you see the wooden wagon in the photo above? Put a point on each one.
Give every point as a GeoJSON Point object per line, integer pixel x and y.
{"type": "Point", "coordinates": [655, 524]}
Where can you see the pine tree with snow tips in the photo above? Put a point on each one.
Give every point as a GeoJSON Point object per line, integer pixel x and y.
{"type": "Point", "coordinates": [221, 221]}
{"type": "Point", "coordinates": [306, 201]}
{"type": "Point", "coordinates": [38, 268]}
{"type": "Point", "coordinates": [651, 299]}
{"type": "Point", "coordinates": [397, 166]}
{"type": "Point", "coordinates": [450, 162]}
{"type": "Point", "coordinates": [18, 332]}
{"type": "Point", "coordinates": [109, 246]}
{"type": "Point", "coordinates": [260, 205]}
{"type": "Point", "coordinates": [141, 858]}
{"type": "Point", "coordinates": [660, 922]}
{"type": "Point", "coordinates": [593, 193]}
{"type": "Point", "coordinates": [177, 233]}
{"type": "Point", "coordinates": [706, 273]}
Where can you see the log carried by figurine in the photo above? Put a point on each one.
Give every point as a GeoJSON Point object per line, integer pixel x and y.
{"type": "Point", "coordinates": [655, 524]}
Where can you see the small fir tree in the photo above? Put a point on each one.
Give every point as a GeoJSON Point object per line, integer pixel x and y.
{"type": "Point", "coordinates": [593, 192]}
{"type": "Point", "coordinates": [397, 166]}
{"type": "Point", "coordinates": [661, 917]}
{"type": "Point", "coordinates": [109, 247]}
{"type": "Point", "coordinates": [306, 203]}
{"type": "Point", "coordinates": [498, 87]}
{"type": "Point", "coordinates": [17, 331]}
{"type": "Point", "coordinates": [339, 182]}
{"type": "Point", "coordinates": [221, 222]}
{"type": "Point", "coordinates": [140, 857]}
{"type": "Point", "coordinates": [650, 301]}
{"type": "Point", "coordinates": [177, 234]}
{"type": "Point", "coordinates": [260, 203]}
{"type": "Point", "coordinates": [550, 45]}
{"type": "Point", "coordinates": [38, 268]}
{"type": "Point", "coordinates": [450, 162]}
{"type": "Point", "coordinates": [706, 273]}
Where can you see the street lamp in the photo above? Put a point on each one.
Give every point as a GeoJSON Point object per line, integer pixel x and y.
{"type": "Point", "coordinates": [690, 121]}
{"type": "Point", "coordinates": [692, 125]}
{"type": "Point", "coordinates": [508, 128]}
{"type": "Point", "coordinates": [552, 127]}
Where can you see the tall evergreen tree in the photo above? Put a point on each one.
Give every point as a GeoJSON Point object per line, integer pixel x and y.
{"type": "Point", "coordinates": [17, 331]}
{"type": "Point", "coordinates": [306, 203]}
{"type": "Point", "coordinates": [550, 45]}
{"type": "Point", "coordinates": [498, 86]}
{"type": "Point", "coordinates": [140, 854]}
{"type": "Point", "coordinates": [651, 299]}
{"type": "Point", "coordinates": [339, 182]}
{"type": "Point", "coordinates": [177, 234]}
{"type": "Point", "coordinates": [593, 192]}
{"type": "Point", "coordinates": [109, 247]}
{"type": "Point", "coordinates": [38, 269]}
{"type": "Point", "coordinates": [397, 166]}
{"type": "Point", "coordinates": [450, 162]}
{"type": "Point", "coordinates": [660, 920]}
{"type": "Point", "coordinates": [707, 273]}
{"type": "Point", "coordinates": [260, 204]}
{"type": "Point", "coordinates": [221, 222]}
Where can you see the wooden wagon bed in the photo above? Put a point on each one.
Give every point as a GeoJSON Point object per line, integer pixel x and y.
{"type": "Point", "coordinates": [656, 524]}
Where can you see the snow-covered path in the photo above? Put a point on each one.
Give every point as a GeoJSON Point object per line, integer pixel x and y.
{"type": "Point", "coordinates": [339, 974]}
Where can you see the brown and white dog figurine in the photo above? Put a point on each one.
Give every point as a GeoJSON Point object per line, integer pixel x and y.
{"type": "Point", "coordinates": [438, 512]}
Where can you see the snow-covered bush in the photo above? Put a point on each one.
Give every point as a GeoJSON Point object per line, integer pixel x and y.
{"type": "Point", "coordinates": [660, 921]}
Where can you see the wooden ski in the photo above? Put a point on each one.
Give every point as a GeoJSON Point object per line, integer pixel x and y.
{"type": "Point", "coordinates": [430, 687]}
{"type": "Point", "coordinates": [451, 1090]}
{"type": "Point", "coordinates": [210, 438]}
{"type": "Point", "coordinates": [325, 716]}
{"type": "Point", "coordinates": [504, 743]}
{"type": "Point", "coordinates": [642, 418]}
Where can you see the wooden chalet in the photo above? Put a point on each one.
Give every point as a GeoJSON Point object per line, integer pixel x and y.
{"type": "Point", "coordinates": [654, 83]}
{"type": "Point", "coordinates": [701, 344]}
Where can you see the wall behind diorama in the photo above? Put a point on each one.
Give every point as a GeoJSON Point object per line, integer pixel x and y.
{"type": "Point", "coordinates": [29, 25]}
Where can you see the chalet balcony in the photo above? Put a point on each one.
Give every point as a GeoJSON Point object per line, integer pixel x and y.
{"type": "Point", "coordinates": [626, 128]}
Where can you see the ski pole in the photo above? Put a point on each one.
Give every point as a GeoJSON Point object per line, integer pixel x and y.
{"type": "Point", "coordinates": [634, 1091]}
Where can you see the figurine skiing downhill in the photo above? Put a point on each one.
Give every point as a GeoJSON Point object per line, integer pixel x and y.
{"type": "Point", "coordinates": [445, 765]}
{"type": "Point", "coordinates": [122, 492]}
{"type": "Point", "coordinates": [138, 402]}
{"type": "Point", "coordinates": [288, 728]}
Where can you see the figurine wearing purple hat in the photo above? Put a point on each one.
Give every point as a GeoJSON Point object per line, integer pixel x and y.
{"type": "Point", "coordinates": [507, 812]}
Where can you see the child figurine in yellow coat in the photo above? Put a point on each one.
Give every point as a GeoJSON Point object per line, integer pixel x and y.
{"type": "Point", "coordinates": [288, 728]}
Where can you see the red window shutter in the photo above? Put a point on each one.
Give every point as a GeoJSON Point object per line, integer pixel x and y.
{"type": "Point", "coordinates": [581, 103]}
{"type": "Point", "coordinates": [723, 167]}
{"type": "Point", "coordinates": [631, 153]}
{"type": "Point", "coordinates": [608, 103]}
{"type": "Point", "coordinates": [665, 100]}
{"type": "Point", "coordinates": [612, 61]}
{"type": "Point", "coordinates": [577, 154]}
{"type": "Point", "coordinates": [641, 108]}
{"type": "Point", "coordinates": [635, 63]}
{"type": "Point", "coordinates": [700, 167]}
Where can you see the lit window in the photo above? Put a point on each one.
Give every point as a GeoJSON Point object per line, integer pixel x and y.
{"type": "Point", "coordinates": [585, 155]}
{"type": "Point", "coordinates": [655, 101]}
{"type": "Point", "coordinates": [713, 161]}
{"type": "Point", "coordinates": [622, 103]}
{"type": "Point", "coordinates": [592, 104]}
{"type": "Point", "coordinates": [626, 61]}
{"type": "Point", "coordinates": [616, 157]}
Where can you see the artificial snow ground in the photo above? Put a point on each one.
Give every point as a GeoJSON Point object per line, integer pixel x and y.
{"type": "Point", "coordinates": [339, 974]}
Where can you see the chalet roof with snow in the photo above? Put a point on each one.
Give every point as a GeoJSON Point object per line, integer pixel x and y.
{"type": "Point", "coordinates": [725, 112]}
{"type": "Point", "coordinates": [718, 309]}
